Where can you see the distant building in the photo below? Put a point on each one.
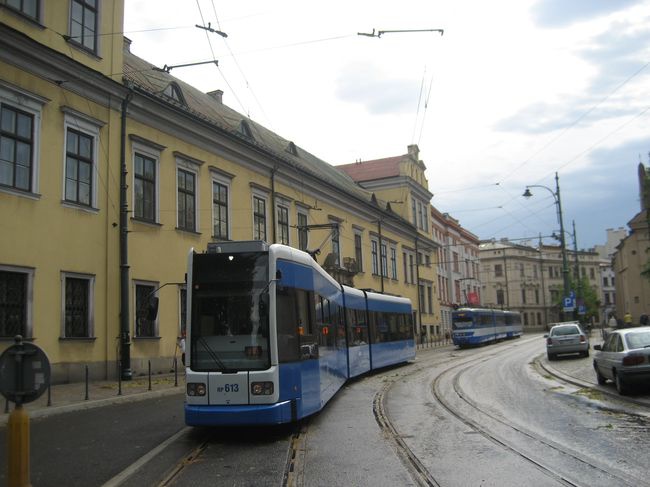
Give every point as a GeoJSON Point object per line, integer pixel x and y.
{"type": "Point", "coordinates": [530, 279]}
{"type": "Point", "coordinates": [631, 261]}
{"type": "Point", "coordinates": [458, 266]}
{"type": "Point", "coordinates": [608, 276]}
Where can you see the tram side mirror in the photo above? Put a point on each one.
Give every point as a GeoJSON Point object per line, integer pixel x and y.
{"type": "Point", "coordinates": [278, 275]}
{"type": "Point", "coordinates": [152, 308]}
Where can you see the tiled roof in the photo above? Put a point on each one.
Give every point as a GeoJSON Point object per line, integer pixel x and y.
{"type": "Point", "coordinates": [154, 81]}
{"type": "Point", "coordinates": [376, 169]}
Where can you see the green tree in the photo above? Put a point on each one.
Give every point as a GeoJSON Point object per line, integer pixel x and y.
{"type": "Point", "coordinates": [586, 293]}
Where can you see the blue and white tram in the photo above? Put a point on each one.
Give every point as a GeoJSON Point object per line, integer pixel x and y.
{"type": "Point", "coordinates": [271, 337]}
{"type": "Point", "coordinates": [474, 326]}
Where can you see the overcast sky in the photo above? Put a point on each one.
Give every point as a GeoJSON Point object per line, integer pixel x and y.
{"type": "Point", "coordinates": [514, 91]}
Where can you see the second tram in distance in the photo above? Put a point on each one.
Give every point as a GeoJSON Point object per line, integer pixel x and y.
{"type": "Point", "coordinates": [271, 337]}
{"type": "Point", "coordinates": [475, 326]}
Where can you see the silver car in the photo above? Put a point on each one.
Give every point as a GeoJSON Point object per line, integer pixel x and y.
{"type": "Point", "coordinates": [566, 337]}
{"type": "Point", "coordinates": [624, 358]}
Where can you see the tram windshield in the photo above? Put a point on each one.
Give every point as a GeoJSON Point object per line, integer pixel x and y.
{"type": "Point", "coordinates": [230, 322]}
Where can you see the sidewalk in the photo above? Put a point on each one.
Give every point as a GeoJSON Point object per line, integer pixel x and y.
{"type": "Point", "coordinates": [71, 397]}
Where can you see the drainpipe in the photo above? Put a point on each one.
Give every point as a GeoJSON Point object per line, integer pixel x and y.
{"type": "Point", "coordinates": [125, 340]}
{"type": "Point", "coordinates": [417, 284]}
{"type": "Point", "coordinates": [273, 215]}
{"type": "Point", "coordinates": [380, 266]}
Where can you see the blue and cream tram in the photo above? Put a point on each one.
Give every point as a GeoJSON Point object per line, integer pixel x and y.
{"type": "Point", "coordinates": [474, 326]}
{"type": "Point", "coordinates": [271, 337]}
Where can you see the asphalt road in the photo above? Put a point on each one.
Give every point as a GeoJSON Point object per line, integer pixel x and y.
{"type": "Point", "coordinates": [487, 416]}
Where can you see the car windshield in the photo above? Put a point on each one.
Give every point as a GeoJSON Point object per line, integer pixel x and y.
{"type": "Point", "coordinates": [639, 339]}
{"type": "Point", "coordinates": [565, 330]}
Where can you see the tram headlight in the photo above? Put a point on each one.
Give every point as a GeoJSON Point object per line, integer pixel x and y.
{"type": "Point", "coordinates": [262, 388]}
{"type": "Point", "coordinates": [196, 389]}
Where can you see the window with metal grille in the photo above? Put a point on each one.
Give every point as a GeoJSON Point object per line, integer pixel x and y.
{"type": "Point", "coordinates": [77, 311]}
{"type": "Point", "coordinates": [16, 148]}
{"type": "Point", "coordinates": [144, 326]}
{"type": "Point", "coordinates": [13, 304]}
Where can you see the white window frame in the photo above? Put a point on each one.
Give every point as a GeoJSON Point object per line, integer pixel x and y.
{"type": "Point", "coordinates": [91, 303]}
{"type": "Point", "coordinates": [375, 256]}
{"type": "Point", "coordinates": [98, 20]}
{"type": "Point", "coordinates": [280, 203]}
{"type": "Point", "coordinates": [32, 104]}
{"type": "Point", "coordinates": [29, 319]}
{"type": "Point", "coordinates": [39, 7]}
{"type": "Point", "coordinates": [216, 178]}
{"type": "Point", "coordinates": [304, 212]}
{"type": "Point", "coordinates": [194, 168]}
{"type": "Point", "coordinates": [359, 233]}
{"type": "Point", "coordinates": [393, 261]}
{"type": "Point", "coordinates": [91, 127]}
{"type": "Point", "coordinates": [263, 196]}
{"type": "Point", "coordinates": [146, 150]}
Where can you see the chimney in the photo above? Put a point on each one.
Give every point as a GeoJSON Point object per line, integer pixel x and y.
{"type": "Point", "coordinates": [414, 151]}
{"type": "Point", "coordinates": [127, 44]}
{"type": "Point", "coordinates": [217, 95]}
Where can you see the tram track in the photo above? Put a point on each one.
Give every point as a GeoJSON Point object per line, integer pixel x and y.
{"type": "Point", "coordinates": [418, 471]}
{"type": "Point", "coordinates": [457, 371]}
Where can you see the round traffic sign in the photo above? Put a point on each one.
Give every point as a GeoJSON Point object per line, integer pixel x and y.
{"type": "Point", "coordinates": [24, 372]}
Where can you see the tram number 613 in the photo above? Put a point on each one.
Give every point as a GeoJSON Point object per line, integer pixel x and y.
{"type": "Point", "coordinates": [229, 388]}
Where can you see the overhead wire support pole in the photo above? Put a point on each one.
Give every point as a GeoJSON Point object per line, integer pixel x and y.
{"type": "Point", "coordinates": [381, 32]}
{"type": "Point", "coordinates": [210, 29]}
{"type": "Point", "coordinates": [167, 68]}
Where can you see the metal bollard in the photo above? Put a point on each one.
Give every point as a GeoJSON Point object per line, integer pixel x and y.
{"type": "Point", "coordinates": [149, 362]}
{"type": "Point", "coordinates": [119, 378]}
{"type": "Point", "coordinates": [86, 383]}
{"type": "Point", "coordinates": [6, 406]}
{"type": "Point", "coordinates": [49, 395]}
{"type": "Point", "coordinates": [175, 372]}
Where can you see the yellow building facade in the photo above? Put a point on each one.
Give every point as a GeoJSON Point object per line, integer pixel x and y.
{"type": "Point", "coordinates": [112, 170]}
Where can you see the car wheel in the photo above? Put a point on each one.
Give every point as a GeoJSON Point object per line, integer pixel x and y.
{"type": "Point", "coordinates": [621, 387]}
{"type": "Point", "coordinates": [586, 353]}
{"type": "Point", "coordinates": [550, 356]}
{"type": "Point", "coordinates": [600, 377]}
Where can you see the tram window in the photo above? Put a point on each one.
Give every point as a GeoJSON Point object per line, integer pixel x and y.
{"type": "Point", "coordinates": [286, 319]}
{"type": "Point", "coordinates": [326, 321]}
{"type": "Point", "coordinates": [306, 326]}
{"type": "Point", "coordinates": [357, 327]}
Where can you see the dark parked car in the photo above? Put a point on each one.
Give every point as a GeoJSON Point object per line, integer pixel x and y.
{"type": "Point", "coordinates": [624, 358]}
{"type": "Point", "coordinates": [566, 337]}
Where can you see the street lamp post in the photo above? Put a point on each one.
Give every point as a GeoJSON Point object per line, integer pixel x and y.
{"type": "Point", "coordinates": [558, 202]}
